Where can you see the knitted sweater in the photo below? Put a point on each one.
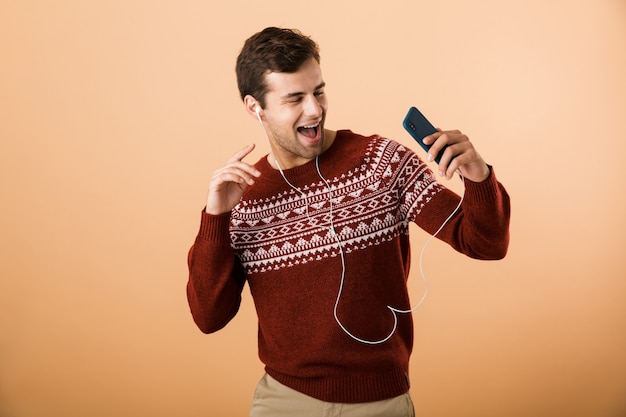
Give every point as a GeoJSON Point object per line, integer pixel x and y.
{"type": "Point", "coordinates": [281, 243]}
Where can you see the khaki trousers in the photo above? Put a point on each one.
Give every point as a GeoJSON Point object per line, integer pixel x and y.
{"type": "Point", "coordinates": [273, 399]}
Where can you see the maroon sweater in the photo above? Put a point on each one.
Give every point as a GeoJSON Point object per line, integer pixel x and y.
{"type": "Point", "coordinates": [293, 264]}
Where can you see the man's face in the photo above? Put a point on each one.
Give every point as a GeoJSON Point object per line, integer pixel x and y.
{"type": "Point", "coordinates": [295, 110]}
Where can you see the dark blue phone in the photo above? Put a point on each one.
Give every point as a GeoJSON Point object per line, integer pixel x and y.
{"type": "Point", "coordinates": [419, 127]}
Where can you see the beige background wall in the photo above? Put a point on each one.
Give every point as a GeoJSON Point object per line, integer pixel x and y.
{"type": "Point", "coordinates": [113, 115]}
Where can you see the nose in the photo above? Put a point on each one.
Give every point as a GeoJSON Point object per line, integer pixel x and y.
{"type": "Point", "coordinates": [313, 108]}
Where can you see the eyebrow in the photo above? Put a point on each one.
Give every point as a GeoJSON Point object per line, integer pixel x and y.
{"type": "Point", "coordinates": [291, 95]}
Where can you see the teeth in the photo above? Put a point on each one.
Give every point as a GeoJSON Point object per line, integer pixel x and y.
{"type": "Point", "coordinates": [310, 127]}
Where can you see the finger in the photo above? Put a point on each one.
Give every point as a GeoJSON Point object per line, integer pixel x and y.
{"type": "Point", "coordinates": [239, 165]}
{"type": "Point", "coordinates": [226, 178]}
{"type": "Point", "coordinates": [452, 156]}
{"type": "Point", "coordinates": [242, 153]}
{"type": "Point", "coordinates": [461, 154]}
{"type": "Point", "coordinates": [453, 136]}
{"type": "Point", "coordinates": [441, 140]}
{"type": "Point", "coordinates": [446, 157]}
{"type": "Point", "coordinates": [430, 139]}
{"type": "Point", "coordinates": [453, 166]}
{"type": "Point", "coordinates": [236, 172]}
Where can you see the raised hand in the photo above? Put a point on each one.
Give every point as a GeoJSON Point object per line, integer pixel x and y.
{"type": "Point", "coordinates": [229, 183]}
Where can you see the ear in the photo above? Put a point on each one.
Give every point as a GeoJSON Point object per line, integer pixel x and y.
{"type": "Point", "coordinates": [251, 105]}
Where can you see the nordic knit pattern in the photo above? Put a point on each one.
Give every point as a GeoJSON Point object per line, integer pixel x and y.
{"type": "Point", "coordinates": [281, 243]}
{"type": "Point", "coordinates": [370, 204]}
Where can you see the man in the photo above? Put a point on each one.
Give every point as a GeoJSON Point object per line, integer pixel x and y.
{"type": "Point", "coordinates": [319, 230]}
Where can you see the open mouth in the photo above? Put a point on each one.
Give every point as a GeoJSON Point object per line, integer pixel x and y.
{"type": "Point", "coordinates": [309, 131]}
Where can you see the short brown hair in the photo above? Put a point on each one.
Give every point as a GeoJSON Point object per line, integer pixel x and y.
{"type": "Point", "coordinates": [271, 50]}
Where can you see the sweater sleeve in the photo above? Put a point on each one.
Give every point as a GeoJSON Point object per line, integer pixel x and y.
{"type": "Point", "coordinates": [216, 278]}
{"type": "Point", "coordinates": [480, 229]}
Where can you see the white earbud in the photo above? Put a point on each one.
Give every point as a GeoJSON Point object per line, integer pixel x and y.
{"type": "Point", "coordinates": [257, 110]}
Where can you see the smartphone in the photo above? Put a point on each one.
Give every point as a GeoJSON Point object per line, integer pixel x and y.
{"type": "Point", "coordinates": [419, 127]}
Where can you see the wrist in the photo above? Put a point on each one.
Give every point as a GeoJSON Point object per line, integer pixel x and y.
{"type": "Point", "coordinates": [478, 176]}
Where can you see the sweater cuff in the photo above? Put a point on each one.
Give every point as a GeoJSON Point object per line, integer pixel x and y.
{"type": "Point", "coordinates": [484, 191]}
{"type": "Point", "coordinates": [214, 228]}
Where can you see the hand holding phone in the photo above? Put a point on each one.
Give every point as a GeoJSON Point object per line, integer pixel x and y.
{"type": "Point", "coordinates": [419, 127]}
